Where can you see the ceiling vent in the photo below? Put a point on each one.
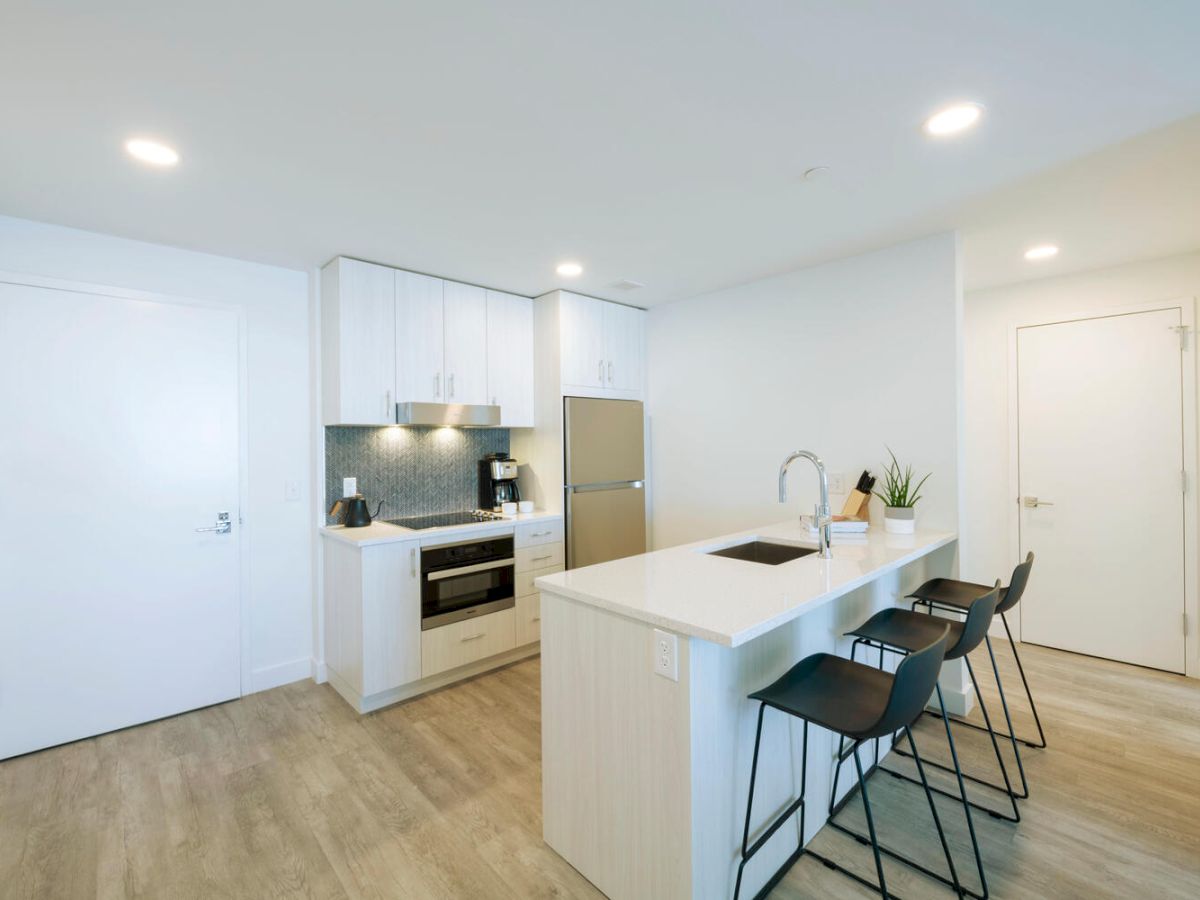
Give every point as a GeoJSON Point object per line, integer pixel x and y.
{"type": "Point", "coordinates": [626, 284]}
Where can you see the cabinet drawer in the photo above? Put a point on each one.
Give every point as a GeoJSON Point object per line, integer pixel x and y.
{"type": "Point", "coordinates": [525, 580]}
{"type": "Point", "coordinates": [535, 533]}
{"type": "Point", "coordinates": [529, 619]}
{"type": "Point", "coordinates": [543, 556]}
{"type": "Point", "coordinates": [467, 641]}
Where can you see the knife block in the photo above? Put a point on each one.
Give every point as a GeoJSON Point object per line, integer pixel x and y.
{"type": "Point", "coordinates": [856, 505]}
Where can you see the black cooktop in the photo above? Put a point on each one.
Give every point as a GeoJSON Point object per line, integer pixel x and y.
{"type": "Point", "coordinates": [441, 520]}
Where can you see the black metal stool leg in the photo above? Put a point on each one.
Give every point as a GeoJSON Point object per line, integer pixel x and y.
{"type": "Point", "coordinates": [1041, 742]}
{"type": "Point", "coordinates": [1007, 789]}
{"type": "Point", "coordinates": [1028, 693]}
{"type": "Point", "coordinates": [862, 786]}
{"type": "Point", "coordinates": [1007, 718]}
{"type": "Point", "coordinates": [749, 851]}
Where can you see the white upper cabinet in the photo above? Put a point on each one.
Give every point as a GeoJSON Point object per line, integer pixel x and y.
{"type": "Point", "coordinates": [510, 358]}
{"type": "Point", "coordinates": [623, 335]}
{"type": "Point", "coordinates": [419, 344]}
{"type": "Point", "coordinates": [581, 326]}
{"type": "Point", "coordinates": [601, 346]}
{"type": "Point", "coordinates": [390, 336]}
{"type": "Point", "coordinates": [466, 342]}
{"type": "Point", "coordinates": [358, 343]}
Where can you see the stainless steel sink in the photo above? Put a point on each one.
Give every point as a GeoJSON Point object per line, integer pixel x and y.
{"type": "Point", "coordinates": [765, 552]}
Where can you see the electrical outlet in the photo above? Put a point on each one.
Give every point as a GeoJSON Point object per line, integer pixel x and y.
{"type": "Point", "coordinates": [837, 483]}
{"type": "Point", "coordinates": [349, 487]}
{"type": "Point", "coordinates": [666, 654]}
{"type": "Point", "coordinates": [291, 490]}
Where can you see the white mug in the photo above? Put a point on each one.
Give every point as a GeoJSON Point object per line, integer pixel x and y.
{"type": "Point", "coordinates": [525, 506]}
{"type": "Point", "coordinates": [508, 509]}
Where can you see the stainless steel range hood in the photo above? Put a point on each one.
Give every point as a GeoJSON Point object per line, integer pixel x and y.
{"type": "Point", "coordinates": [448, 415]}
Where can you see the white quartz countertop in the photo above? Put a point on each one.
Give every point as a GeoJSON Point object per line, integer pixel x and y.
{"type": "Point", "coordinates": [380, 532]}
{"type": "Point", "coordinates": [730, 601]}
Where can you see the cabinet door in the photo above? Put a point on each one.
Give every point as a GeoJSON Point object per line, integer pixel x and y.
{"type": "Point", "coordinates": [419, 360]}
{"type": "Point", "coordinates": [391, 616]}
{"type": "Point", "coordinates": [366, 350]}
{"type": "Point", "coordinates": [623, 326]}
{"type": "Point", "coordinates": [466, 343]}
{"type": "Point", "coordinates": [510, 358]}
{"type": "Point", "coordinates": [581, 328]}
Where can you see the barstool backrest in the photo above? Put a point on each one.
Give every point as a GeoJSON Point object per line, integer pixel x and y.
{"type": "Point", "coordinates": [912, 687]}
{"type": "Point", "coordinates": [1016, 587]}
{"type": "Point", "coordinates": [979, 619]}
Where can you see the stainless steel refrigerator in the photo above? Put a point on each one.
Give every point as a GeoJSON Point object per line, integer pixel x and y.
{"type": "Point", "coordinates": [604, 447]}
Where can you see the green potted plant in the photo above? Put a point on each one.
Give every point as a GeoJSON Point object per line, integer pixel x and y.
{"type": "Point", "coordinates": [899, 496]}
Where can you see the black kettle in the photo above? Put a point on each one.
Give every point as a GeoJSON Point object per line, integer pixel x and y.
{"type": "Point", "coordinates": [354, 511]}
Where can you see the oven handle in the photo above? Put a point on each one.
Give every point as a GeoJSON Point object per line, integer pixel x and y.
{"type": "Point", "coordinates": [467, 570]}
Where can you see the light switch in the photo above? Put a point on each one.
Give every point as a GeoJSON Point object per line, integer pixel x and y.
{"type": "Point", "coordinates": [349, 487]}
{"type": "Point", "coordinates": [291, 490]}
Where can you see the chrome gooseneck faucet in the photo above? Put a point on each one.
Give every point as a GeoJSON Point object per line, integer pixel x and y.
{"type": "Point", "coordinates": [822, 519]}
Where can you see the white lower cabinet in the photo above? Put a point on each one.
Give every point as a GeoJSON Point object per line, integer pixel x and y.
{"type": "Point", "coordinates": [542, 555]}
{"type": "Point", "coordinates": [529, 619]}
{"type": "Point", "coordinates": [461, 643]}
{"type": "Point", "coordinates": [372, 601]}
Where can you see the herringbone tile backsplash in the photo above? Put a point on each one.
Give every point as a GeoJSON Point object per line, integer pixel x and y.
{"type": "Point", "coordinates": [414, 471]}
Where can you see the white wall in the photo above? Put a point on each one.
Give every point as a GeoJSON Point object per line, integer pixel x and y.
{"type": "Point", "coordinates": [987, 548]}
{"type": "Point", "coordinates": [276, 303]}
{"type": "Point", "coordinates": [840, 359]}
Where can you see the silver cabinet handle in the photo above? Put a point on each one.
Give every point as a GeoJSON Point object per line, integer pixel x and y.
{"type": "Point", "coordinates": [539, 534]}
{"type": "Point", "coordinates": [437, 385]}
{"type": "Point", "coordinates": [473, 637]}
{"type": "Point", "coordinates": [224, 525]}
{"type": "Point", "coordinates": [602, 372]}
{"type": "Point", "coordinates": [1034, 502]}
{"type": "Point", "coordinates": [540, 558]}
{"type": "Point", "coordinates": [450, 385]}
{"type": "Point", "coordinates": [388, 411]}
{"type": "Point", "coordinates": [412, 561]}
{"type": "Point", "coordinates": [610, 373]}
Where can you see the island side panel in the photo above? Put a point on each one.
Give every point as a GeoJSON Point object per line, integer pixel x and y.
{"type": "Point", "coordinates": [723, 724]}
{"type": "Point", "coordinates": [616, 788]}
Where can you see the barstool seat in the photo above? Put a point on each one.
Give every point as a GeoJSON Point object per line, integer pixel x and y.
{"type": "Point", "coordinates": [837, 694]}
{"type": "Point", "coordinates": [909, 630]}
{"type": "Point", "coordinates": [959, 594]}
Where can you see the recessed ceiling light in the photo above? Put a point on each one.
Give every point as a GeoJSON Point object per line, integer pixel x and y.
{"type": "Point", "coordinates": [953, 119]}
{"type": "Point", "coordinates": [151, 152]}
{"type": "Point", "coordinates": [569, 269]}
{"type": "Point", "coordinates": [1041, 251]}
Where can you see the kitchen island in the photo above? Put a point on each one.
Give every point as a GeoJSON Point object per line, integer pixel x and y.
{"type": "Point", "coordinates": [645, 772]}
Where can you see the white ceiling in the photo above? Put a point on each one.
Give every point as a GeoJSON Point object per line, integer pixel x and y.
{"type": "Point", "coordinates": [1139, 199]}
{"type": "Point", "coordinates": [658, 141]}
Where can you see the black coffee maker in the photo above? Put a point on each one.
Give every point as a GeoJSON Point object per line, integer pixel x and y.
{"type": "Point", "coordinates": [498, 481]}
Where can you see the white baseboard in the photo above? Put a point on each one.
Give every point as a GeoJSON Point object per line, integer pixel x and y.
{"type": "Point", "coordinates": [282, 673]}
{"type": "Point", "coordinates": [958, 702]}
{"type": "Point", "coordinates": [320, 674]}
{"type": "Point", "coordinates": [432, 683]}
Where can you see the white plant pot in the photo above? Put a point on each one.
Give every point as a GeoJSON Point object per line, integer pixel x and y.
{"type": "Point", "coordinates": [899, 519]}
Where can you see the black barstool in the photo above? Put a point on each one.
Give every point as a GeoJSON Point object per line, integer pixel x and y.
{"type": "Point", "coordinates": [858, 703]}
{"type": "Point", "coordinates": [949, 595]}
{"type": "Point", "coordinates": [903, 631]}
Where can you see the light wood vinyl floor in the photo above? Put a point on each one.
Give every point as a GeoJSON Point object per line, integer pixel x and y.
{"type": "Point", "coordinates": [289, 793]}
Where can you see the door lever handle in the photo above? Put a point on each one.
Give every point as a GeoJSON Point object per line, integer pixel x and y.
{"type": "Point", "coordinates": [1034, 502]}
{"type": "Point", "coordinates": [223, 526]}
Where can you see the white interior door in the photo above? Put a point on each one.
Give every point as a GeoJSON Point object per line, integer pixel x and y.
{"type": "Point", "coordinates": [1101, 460]}
{"type": "Point", "coordinates": [120, 439]}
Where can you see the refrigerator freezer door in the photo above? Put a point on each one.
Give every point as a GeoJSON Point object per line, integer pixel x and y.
{"type": "Point", "coordinates": [604, 524]}
{"type": "Point", "coordinates": [604, 441]}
